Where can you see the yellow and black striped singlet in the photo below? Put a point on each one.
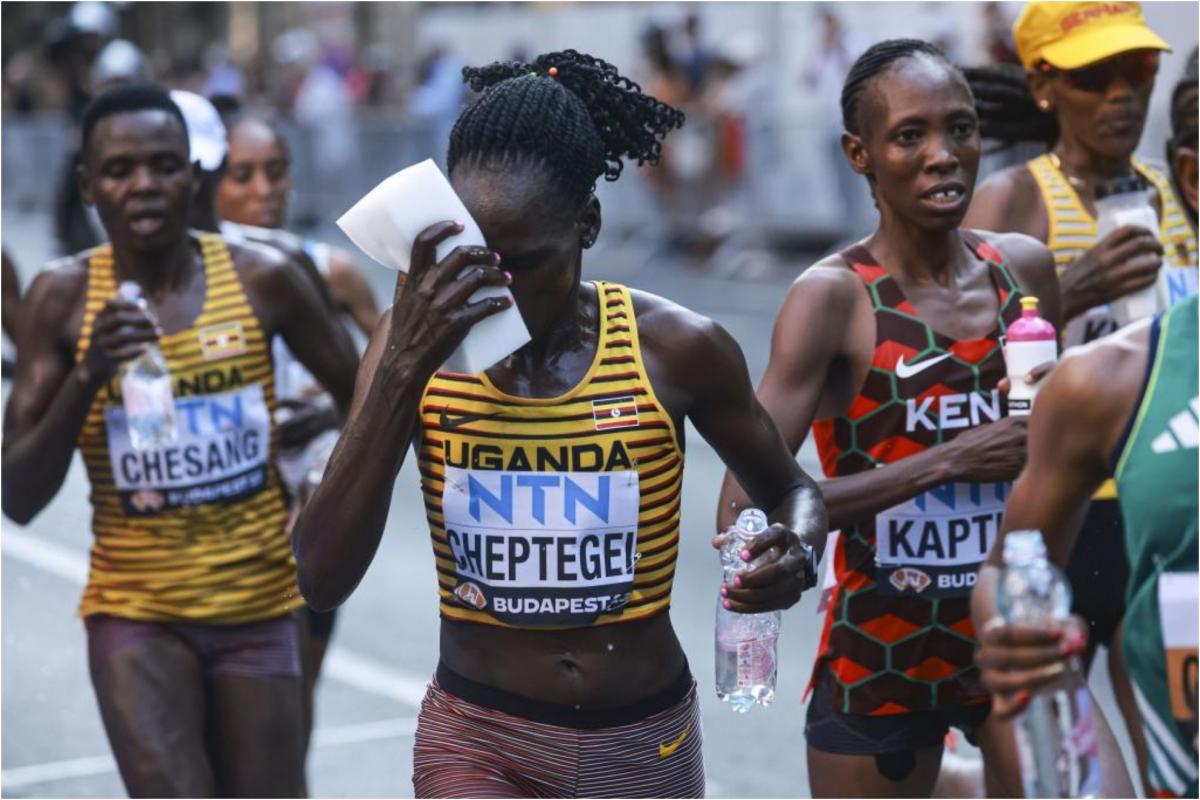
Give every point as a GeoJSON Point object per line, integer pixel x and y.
{"type": "Point", "coordinates": [191, 531]}
{"type": "Point", "coordinates": [557, 512]}
{"type": "Point", "coordinates": [1073, 232]}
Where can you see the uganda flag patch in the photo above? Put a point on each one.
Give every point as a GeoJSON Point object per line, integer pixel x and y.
{"type": "Point", "coordinates": [617, 412]}
{"type": "Point", "coordinates": [222, 341]}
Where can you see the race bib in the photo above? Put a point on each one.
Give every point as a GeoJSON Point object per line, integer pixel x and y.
{"type": "Point", "coordinates": [933, 544]}
{"type": "Point", "coordinates": [219, 456]}
{"type": "Point", "coordinates": [542, 548]}
{"type": "Point", "coordinates": [1179, 609]}
{"type": "Point", "coordinates": [1175, 284]}
{"type": "Point", "coordinates": [1091, 325]}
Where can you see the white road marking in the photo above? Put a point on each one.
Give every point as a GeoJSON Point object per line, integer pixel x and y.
{"type": "Point", "coordinates": [373, 676]}
{"type": "Point", "coordinates": [21, 777]}
{"type": "Point", "coordinates": [345, 666]}
{"type": "Point", "coordinates": [65, 562]}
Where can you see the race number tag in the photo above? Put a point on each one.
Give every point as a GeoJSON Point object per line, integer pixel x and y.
{"type": "Point", "coordinates": [1179, 608]}
{"type": "Point", "coordinates": [219, 456]}
{"type": "Point", "coordinates": [933, 544]}
{"type": "Point", "coordinates": [1175, 284]}
{"type": "Point", "coordinates": [542, 548]}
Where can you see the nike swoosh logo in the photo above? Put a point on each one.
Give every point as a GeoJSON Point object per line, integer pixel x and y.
{"type": "Point", "coordinates": [448, 423]}
{"type": "Point", "coordinates": [668, 750]}
{"type": "Point", "coordinates": [908, 370]}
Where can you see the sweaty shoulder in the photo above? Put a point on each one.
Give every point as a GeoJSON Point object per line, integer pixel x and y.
{"type": "Point", "coordinates": [1009, 200]}
{"type": "Point", "coordinates": [666, 326]}
{"type": "Point", "coordinates": [55, 298]}
{"type": "Point", "coordinates": [686, 353]}
{"type": "Point", "coordinates": [271, 279]}
{"type": "Point", "coordinates": [828, 287]}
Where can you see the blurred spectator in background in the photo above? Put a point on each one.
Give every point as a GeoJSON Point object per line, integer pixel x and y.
{"type": "Point", "coordinates": [224, 76]}
{"type": "Point", "coordinates": [997, 35]}
{"type": "Point", "coordinates": [88, 62]}
{"type": "Point", "coordinates": [693, 55]}
{"type": "Point", "coordinates": [324, 106]}
{"type": "Point", "coordinates": [825, 71]}
{"type": "Point", "coordinates": [437, 99]}
{"type": "Point", "coordinates": [738, 87]}
{"type": "Point", "coordinates": [119, 62]}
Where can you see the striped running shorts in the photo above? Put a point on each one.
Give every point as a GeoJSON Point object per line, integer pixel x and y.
{"type": "Point", "coordinates": [465, 749]}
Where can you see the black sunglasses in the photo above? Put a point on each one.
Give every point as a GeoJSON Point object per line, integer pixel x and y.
{"type": "Point", "coordinates": [1138, 69]}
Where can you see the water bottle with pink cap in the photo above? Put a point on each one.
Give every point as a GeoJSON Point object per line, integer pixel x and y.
{"type": "Point", "coordinates": [1029, 342]}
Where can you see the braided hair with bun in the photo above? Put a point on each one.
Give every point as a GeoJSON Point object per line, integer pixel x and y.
{"type": "Point", "coordinates": [570, 112]}
{"type": "Point", "coordinates": [879, 58]}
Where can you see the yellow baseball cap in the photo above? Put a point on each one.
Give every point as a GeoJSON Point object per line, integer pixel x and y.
{"type": "Point", "coordinates": [1073, 35]}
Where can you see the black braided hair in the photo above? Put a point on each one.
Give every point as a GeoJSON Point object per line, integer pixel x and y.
{"type": "Point", "coordinates": [579, 123]}
{"type": "Point", "coordinates": [877, 59]}
{"type": "Point", "coordinates": [1008, 112]}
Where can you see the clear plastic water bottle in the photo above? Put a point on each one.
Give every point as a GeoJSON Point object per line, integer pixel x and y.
{"type": "Point", "coordinates": [146, 389]}
{"type": "Point", "coordinates": [746, 644]}
{"type": "Point", "coordinates": [1056, 735]}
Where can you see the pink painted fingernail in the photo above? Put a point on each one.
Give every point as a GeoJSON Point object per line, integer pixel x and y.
{"type": "Point", "coordinates": [460, 223]}
{"type": "Point", "coordinates": [727, 604]}
{"type": "Point", "coordinates": [508, 276]}
{"type": "Point", "coordinates": [737, 581]}
{"type": "Point", "coordinates": [495, 258]}
{"type": "Point", "coordinates": [745, 555]}
{"type": "Point", "coordinates": [724, 592]}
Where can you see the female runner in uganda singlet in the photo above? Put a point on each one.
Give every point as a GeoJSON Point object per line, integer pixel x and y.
{"type": "Point", "coordinates": [505, 477]}
{"type": "Point", "coordinates": [192, 531]}
{"type": "Point", "coordinates": [898, 635]}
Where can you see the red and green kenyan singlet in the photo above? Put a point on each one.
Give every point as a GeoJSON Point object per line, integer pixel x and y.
{"type": "Point", "coordinates": [898, 634]}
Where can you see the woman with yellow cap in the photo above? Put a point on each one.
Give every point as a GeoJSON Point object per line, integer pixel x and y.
{"type": "Point", "coordinates": [1089, 69]}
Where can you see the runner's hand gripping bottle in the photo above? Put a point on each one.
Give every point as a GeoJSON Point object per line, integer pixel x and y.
{"type": "Point", "coordinates": [1028, 343]}
{"type": "Point", "coordinates": [1127, 200]}
{"type": "Point", "coordinates": [746, 644]}
{"type": "Point", "coordinates": [146, 388]}
{"type": "Point", "coordinates": [1056, 737]}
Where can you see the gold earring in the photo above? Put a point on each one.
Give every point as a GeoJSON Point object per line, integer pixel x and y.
{"type": "Point", "coordinates": [1044, 105]}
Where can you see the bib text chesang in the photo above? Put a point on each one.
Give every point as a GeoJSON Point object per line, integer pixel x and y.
{"type": "Point", "coordinates": [220, 455]}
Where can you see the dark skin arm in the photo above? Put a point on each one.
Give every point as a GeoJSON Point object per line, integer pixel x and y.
{"type": "Point", "coordinates": [1076, 423]}
{"type": "Point", "coordinates": [1124, 261]}
{"type": "Point", "coordinates": [803, 367]}
{"type": "Point", "coordinates": [338, 532]}
{"type": "Point", "coordinates": [720, 402]}
{"type": "Point", "coordinates": [51, 394]}
{"type": "Point", "coordinates": [10, 296]}
{"type": "Point", "coordinates": [351, 292]}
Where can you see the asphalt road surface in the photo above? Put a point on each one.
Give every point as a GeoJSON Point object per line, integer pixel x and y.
{"type": "Point", "coordinates": [385, 645]}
